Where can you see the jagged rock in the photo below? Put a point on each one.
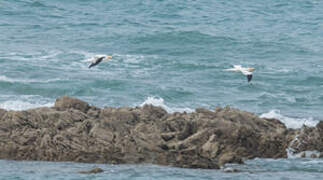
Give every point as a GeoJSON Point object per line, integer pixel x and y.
{"type": "Point", "coordinates": [309, 139]}
{"type": "Point", "coordinates": [65, 103]}
{"type": "Point", "coordinates": [313, 156]}
{"type": "Point", "coordinates": [319, 126]}
{"type": "Point", "coordinates": [92, 171]}
{"type": "Point", "coordinates": [168, 136]}
{"type": "Point", "coordinates": [229, 158]}
{"type": "Point", "coordinates": [74, 131]}
{"type": "Point", "coordinates": [2, 112]}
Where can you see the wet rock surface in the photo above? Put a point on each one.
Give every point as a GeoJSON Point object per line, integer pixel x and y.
{"type": "Point", "coordinates": [92, 171]}
{"type": "Point", "coordinates": [308, 139]}
{"type": "Point", "coordinates": [73, 130]}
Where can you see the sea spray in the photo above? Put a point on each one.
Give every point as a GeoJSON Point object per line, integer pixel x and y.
{"type": "Point", "coordinates": [289, 121]}
{"type": "Point", "coordinates": [18, 105]}
{"type": "Point", "coordinates": [292, 151]}
{"type": "Point", "coordinates": [160, 102]}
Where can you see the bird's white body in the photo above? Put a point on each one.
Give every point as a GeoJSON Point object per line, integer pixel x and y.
{"type": "Point", "coordinates": [239, 68]}
{"type": "Point", "coordinates": [245, 71]}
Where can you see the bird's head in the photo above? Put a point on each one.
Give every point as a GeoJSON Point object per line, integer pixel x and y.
{"type": "Point", "coordinates": [106, 58]}
{"type": "Point", "coordinates": [251, 69]}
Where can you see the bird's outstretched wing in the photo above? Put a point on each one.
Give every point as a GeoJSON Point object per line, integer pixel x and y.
{"type": "Point", "coordinates": [96, 61]}
{"type": "Point", "coordinates": [237, 66]}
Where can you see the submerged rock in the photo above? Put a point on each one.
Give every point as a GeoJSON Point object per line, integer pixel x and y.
{"type": "Point", "coordinates": [92, 171]}
{"type": "Point", "coordinates": [73, 130]}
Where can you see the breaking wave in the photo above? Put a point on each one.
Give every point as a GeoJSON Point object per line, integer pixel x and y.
{"type": "Point", "coordinates": [22, 105]}
{"type": "Point", "coordinates": [160, 102]}
{"type": "Point", "coordinates": [12, 80]}
{"type": "Point", "coordinates": [24, 102]}
{"type": "Point", "coordinates": [289, 121]}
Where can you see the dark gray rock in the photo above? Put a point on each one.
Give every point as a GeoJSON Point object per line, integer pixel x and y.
{"type": "Point", "coordinates": [74, 131]}
{"type": "Point", "coordinates": [92, 171]}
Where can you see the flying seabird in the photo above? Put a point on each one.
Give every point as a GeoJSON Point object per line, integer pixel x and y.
{"type": "Point", "coordinates": [245, 71]}
{"type": "Point", "coordinates": [97, 59]}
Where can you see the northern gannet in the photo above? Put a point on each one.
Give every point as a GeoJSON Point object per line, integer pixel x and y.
{"type": "Point", "coordinates": [245, 71]}
{"type": "Point", "coordinates": [97, 59]}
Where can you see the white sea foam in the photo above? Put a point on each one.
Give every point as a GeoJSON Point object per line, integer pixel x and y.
{"type": "Point", "coordinates": [128, 58]}
{"type": "Point", "coordinates": [305, 154]}
{"type": "Point", "coordinates": [289, 121]}
{"type": "Point", "coordinates": [291, 151]}
{"type": "Point", "coordinates": [18, 105]}
{"type": "Point", "coordinates": [24, 102]}
{"type": "Point", "coordinates": [34, 56]}
{"type": "Point", "coordinates": [160, 102]}
{"type": "Point", "coordinates": [12, 80]}
{"type": "Point", "coordinates": [133, 58]}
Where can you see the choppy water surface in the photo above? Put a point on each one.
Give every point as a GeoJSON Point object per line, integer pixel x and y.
{"type": "Point", "coordinates": [164, 49]}
{"type": "Point", "coordinates": [262, 169]}
{"type": "Point", "coordinates": [168, 53]}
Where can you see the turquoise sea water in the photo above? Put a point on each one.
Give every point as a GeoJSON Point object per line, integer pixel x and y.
{"type": "Point", "coordinates": [258, 169]}
{"type": "Point", "coordinates": [168, 53]}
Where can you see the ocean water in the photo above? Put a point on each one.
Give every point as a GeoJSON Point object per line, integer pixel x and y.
{"type": "Point", "coordinates": [167, 53]}
{"type": "Point", "coordinates": [258, 169]}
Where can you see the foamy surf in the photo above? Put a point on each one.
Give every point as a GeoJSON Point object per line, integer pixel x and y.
{"type": "Point", "coordinates": [18, 105]}
{"type": "Point", "coordinates": [289, 121]}
{"type": "Point", "coordinates": [24, 102]}
{"type": "Point", "coordinates": [304, 154]}
{"type": "Point", "coordinates": [33, 56]}
{"type": "Point", "coordinates": [13, 80]}
{"type": "Point", "coordinates": [133, 58]}
{"type": "Point", "coordinates": [155, 101]}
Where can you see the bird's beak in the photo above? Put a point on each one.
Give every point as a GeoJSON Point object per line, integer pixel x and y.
{"type": "Point", "coordinates": [251, 69]}
{"type": "Point", "coordinates": [109, 57]}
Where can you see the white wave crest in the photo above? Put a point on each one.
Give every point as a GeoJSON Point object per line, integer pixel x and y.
{"type": "Point", "coordinates": [33, 56]}
{"type": "Point", "coordinates": [160, 102]}
{"type": "Point", "coordinates": [12, 80]}
{"type": "Point", "coordinates": [18, 105]}
{"type": "Point", "coordinates": [128, 58]}
{"type": "Point", "coordinates": [289, 121]}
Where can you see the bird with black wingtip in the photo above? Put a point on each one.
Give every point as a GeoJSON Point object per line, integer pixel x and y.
{"type": "Point", "coordinates": [98, 59]}
{"type": "Point", "coordinates": [245, 71]}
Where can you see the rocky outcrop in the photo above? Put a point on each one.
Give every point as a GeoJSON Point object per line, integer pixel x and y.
{"type": "Point", "coordinates": [308, 139]}
{"type": "Point", "coordinates": [73, 130]}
